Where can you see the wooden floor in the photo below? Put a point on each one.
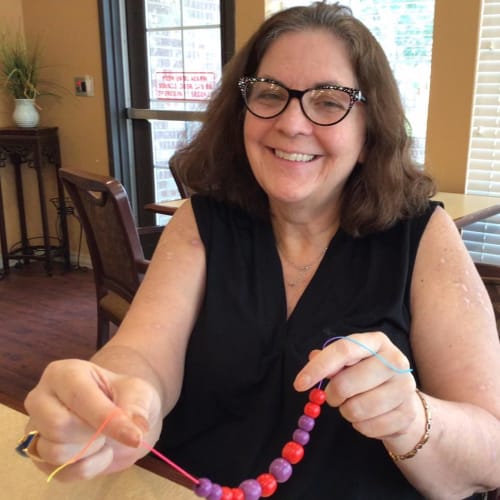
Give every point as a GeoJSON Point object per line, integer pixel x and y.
{"type": "Point", "coordinates": [42, 318]}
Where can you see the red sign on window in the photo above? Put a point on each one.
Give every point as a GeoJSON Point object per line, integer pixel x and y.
{"type": "Point", "coordinates": [189, 86]}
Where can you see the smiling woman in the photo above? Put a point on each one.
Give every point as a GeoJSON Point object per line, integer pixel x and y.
{"type": "Point", "coordinates": [406, 34]}
{"type": "Point", "coordinates": [288, 133]}
{"type": "Point", "coordinates": [297, 231]}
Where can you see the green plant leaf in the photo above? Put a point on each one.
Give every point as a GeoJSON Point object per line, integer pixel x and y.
{"type": "Point", "coordinates": [20, 68]}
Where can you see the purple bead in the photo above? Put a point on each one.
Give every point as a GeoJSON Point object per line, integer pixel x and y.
{"type": "Point", "coordinates": [204, 487]}
{"type": "Point", "coordinates": [306, 423]}
{"type": "Point", "coordinates": [216, 492]}
{"type": "Point", "coordinates": [301, 436]}
{"type": "Point", "coordinates": [251, 488]}
{"type": "Point", "coordinates": [281, 469]}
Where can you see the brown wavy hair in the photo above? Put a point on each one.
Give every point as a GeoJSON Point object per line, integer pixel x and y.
{"type": "Point", "coordinates": [388, 186]}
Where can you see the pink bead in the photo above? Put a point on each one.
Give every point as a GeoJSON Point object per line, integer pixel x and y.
{"type": "Point", "coordinates": [306, 423]}
{"type": "Point", "coordinates": [312, 410]}
{"type": "Point", "coordinates": [204, 487]}
{"type": "Point", "coordinates": [251, 488]}
{"type": "Point", "coordinates": [300, 436]}
{"type": "Point", "coordinates": [293, 452]}
{"type": "Point", "coordinates": [268, 484]}
{"type": "Point", "coordinates": [281, 469]}
{"type": "Point", "coordinates": [317, 396]}
{"type": "Point", "coordinates": [216, 493]}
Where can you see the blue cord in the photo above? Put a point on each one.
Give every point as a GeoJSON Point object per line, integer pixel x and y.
{"type": "Point", "coordinates": [371, 351]}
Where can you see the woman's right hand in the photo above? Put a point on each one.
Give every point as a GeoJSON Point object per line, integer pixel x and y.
{"type": "Point", "coordinates": [72, 399]}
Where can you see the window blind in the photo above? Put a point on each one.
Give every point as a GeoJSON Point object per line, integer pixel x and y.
{"type": "Point", "coordinates": [483, 175]}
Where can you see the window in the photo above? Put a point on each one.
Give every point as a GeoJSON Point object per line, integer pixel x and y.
{"type": "Point", "coordinates": [184, 63]}
{"type": "Point", "coordinates": [161, 59]}
{"type": "Point", "coordinates": [404, 29]}
{"type": "Point", "coordinates": [483, 175]}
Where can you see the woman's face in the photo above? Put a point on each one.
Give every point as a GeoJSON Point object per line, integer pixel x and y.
{"type": "Point", "coordinates": [294, 160]}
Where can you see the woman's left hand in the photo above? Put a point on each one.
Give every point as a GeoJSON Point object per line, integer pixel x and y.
{"type": "Point", "coordinates": [379, 401]}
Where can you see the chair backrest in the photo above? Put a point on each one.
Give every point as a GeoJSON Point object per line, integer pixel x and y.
{"type": "Point", "coordinates": [104, 210]}
{"type": "Point", "coordinates": [184, 191]}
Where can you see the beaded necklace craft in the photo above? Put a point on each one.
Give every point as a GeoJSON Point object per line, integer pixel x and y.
{"type": "Point", "coordinates": [281, 468]}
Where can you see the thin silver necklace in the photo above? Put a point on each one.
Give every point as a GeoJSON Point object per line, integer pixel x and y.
{"type": "Point", "coordinates": [302, 270]}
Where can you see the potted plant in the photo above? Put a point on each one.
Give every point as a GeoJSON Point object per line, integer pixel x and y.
{"type": "Point", "coordinates": [20, 69]}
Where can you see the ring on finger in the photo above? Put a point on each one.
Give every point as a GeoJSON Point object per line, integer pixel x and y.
{"type": "Point", "coordinates": [26, 446]}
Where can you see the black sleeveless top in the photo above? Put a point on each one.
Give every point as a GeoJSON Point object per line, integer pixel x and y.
{"type": "Point", "coordinates": [238, 407]}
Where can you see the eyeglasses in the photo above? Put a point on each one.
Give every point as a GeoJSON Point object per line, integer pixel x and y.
{"type": "Point", "coordinates": [323, 105]}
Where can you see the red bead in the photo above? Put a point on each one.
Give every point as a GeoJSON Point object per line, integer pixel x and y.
{"type": "Point", "coordinates": [268, 483]}
{"type": "Point", "coordinates": [312, 410]}
{"type": "Point", "coordinates": [238, 494]}
{"type": "Point", "coordinates": [227, 494]}
{"type": "Point", "coordinates": [293, 452]}
{"type": "Point", "coordinates": [317, 396]}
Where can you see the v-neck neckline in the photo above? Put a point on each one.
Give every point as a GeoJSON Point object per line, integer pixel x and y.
{"type": "Point", "coordinates": [315, 280]}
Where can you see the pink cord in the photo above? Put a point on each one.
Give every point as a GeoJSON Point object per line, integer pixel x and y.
{"type": "Point", "coordinates": [80, 454]}
{"type": "Point", "coordinates": [178, 468]}
{"type": "Point", "coordinates": [99, 431]}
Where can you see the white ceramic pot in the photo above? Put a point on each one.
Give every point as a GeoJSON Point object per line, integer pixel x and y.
{"type": "Point", "coordinates": [25, 113]}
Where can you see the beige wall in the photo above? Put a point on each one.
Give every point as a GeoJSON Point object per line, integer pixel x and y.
{"type": "Point", "coordinates": [248, 15]}
{"type": "Point", "coordinates": [456, 34]}
{"type": "Point", "coordinates": [72, 48]}
{"type": "Point", "coordinates": [11, 14]}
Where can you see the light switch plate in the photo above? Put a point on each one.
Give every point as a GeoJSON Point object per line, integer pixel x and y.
{"type": "Point", "coordinates": [84, 86]}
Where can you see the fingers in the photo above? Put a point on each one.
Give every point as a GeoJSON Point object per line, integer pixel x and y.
{"type": "Point", "coordinates": [56, 453]}
{"type": "Point", "coordinates": [348, 352]}
{"type": "Point", "coordinates": [368, 380]}
{"type": "Point", "coordinates": [139, 402]}
{"type": "Point", "coordinates": [365, 375]}
{"type": "Point", "coordinates": [94, 402]}
{"type": "Point", "coordinates": [86, 468]}
{"type": "Point", "coordinates": [382, 411]}
{"type": "Point", "coordinates": [70, 412]}
{"type": "Point", "coordinates": [89, 416]}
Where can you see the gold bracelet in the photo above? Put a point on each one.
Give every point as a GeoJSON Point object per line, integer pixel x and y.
{"type": "Point", "coordinates": [425, 436]}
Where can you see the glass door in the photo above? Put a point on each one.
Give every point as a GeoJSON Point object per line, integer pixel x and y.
{"type": "Point", "coordinates": [184, 65]}
{"type": "Point", "coordinates": [163, 60]}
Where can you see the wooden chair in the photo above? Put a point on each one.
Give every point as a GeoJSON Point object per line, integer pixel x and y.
{"type": "Point", "coordinates": [184, 191]}
{"type": "Point", "coordinates": [113, 241]}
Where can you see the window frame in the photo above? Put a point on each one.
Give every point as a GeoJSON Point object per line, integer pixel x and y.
{"type": "Point", "coordinates": [482, 238]}
{"type": "Point", "coordinates": [126, 87]}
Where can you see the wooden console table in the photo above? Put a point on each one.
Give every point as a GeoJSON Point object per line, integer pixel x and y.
{"type": "Point", "coordinates": [35, 147]}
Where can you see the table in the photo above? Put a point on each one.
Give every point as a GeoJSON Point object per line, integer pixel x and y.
{"type": "Point", "coordinates": [20, 479]}
{"type": "Point", "coordinates": [35, 147]}
{"type": "Point", "coordinates": [165, 207]}
{"type": "Point", "coordinates": [464, 209]}
{"type": "Point", "coordinates": [468, 208]}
